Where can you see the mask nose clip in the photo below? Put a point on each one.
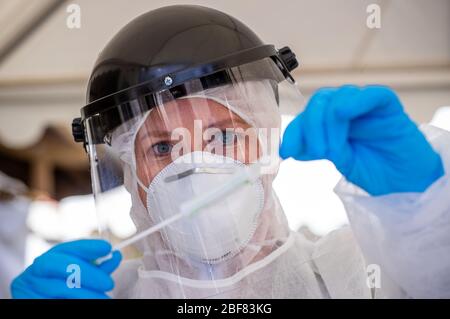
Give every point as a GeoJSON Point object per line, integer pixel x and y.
{"type": "Point", "coordinates": [199, 170]}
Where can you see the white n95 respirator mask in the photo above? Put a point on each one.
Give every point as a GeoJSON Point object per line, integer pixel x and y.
{"type": "Point", "coordinates": [217, 231]}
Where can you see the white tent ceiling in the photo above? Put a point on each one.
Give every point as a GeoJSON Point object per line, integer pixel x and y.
{"type": "Point", "coordinates": [324, 33]}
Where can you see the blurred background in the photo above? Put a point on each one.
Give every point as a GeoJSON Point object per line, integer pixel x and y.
{"type": "Point", "coordinates": [45, 190]}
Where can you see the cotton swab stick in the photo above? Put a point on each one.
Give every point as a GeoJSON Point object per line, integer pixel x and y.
{"type": "Point", "coordinates": [246, 174]}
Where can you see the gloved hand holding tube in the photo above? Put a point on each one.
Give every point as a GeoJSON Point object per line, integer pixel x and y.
{"type": "Point", "coordinates": [368, 137]}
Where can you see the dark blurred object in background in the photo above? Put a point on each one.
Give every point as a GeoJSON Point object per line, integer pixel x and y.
{"type": "Point", "coordinates": [53, 165]}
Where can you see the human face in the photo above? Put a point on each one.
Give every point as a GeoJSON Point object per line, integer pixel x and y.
{"type": "Point", "coordinates": [195, 124]}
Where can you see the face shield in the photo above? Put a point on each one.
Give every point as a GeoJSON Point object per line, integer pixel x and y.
{"type": "Point", "coordinates": [170, 147]}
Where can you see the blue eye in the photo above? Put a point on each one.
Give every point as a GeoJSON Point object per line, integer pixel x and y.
{"type": "Point", "coordinates": [162, 148]}
{"type": "Point", "coordinates": [227, 138]}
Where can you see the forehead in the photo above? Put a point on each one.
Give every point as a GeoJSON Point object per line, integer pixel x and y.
{"type": "Point", "coordinates": [183, 113]}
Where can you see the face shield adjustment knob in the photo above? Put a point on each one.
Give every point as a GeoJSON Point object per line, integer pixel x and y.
{"type": "Point", "coordinates": [78, 130]}
{"type": "Point", "coordinates": [168, 81]}
{"type": "Point", "coordinates": [288, 57]}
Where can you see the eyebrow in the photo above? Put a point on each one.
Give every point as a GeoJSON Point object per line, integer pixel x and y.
{"type": "Point", "coordinates": [217, 124]}
{"type": "Point", "coordinates": [227, 121]}
{"type": "Point", "coordinates": [153, 134]}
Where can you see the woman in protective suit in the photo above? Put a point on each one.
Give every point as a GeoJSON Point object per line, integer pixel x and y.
{"type": "Point", "coordinates": [185, 96]}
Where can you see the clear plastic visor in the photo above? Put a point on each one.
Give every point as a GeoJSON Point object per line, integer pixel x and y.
{"type": "Point", "coordinates": [187, 145]}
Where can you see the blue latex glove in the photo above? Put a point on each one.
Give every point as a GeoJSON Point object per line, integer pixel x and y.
{"type": "Point", "coordinates": [368, 137]}
{"type": "Point", "coordinates": [47, 276]}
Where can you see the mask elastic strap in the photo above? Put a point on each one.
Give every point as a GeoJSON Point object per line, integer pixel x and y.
{"type": "Point", "coordinates": [140, 184]}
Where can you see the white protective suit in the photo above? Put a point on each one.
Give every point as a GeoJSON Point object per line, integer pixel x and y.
{"type": "Point", "coordinates": [406, 236]}
{"type": "Point", "coordinates": [13, 231]}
